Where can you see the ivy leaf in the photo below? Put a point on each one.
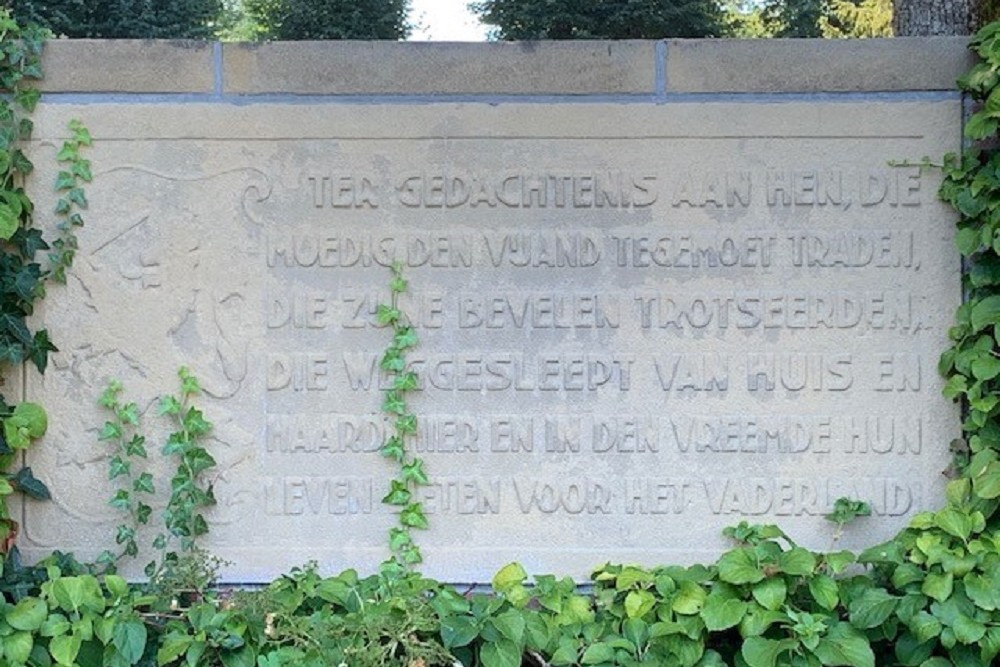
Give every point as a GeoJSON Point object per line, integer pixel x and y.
{"type": "Point", "coordinates": [118, 467]}
{"type": "Point", "coordinates": [144, 484]}
{"type": "Point", "coordinates": [408, 381]}
{"type": "Point", "coordinates": [406, 337]}
{"type": "Point", "coordinates": [136, 446]}
{"type": "Point", "coordinates": [30, 241]}
{"type": "Point", "coordinates": [393, 361]}
{"type": "Point", "coordinates": [393, 449]}
{"type": "Point", "coordinates": [386, 315]}
{"type": "Point", "coordinates": [81, 134]}
{"type": "Point", "coordinates": [27, 98]}
{"type": "Point", "coordinates": [198, 460]}
{"type": "Point", "coordinates": [393, 403]}
{"type": "Point", "coordinates": [40, 348]}
{"type": "Point", "coordinates": [15, 326]}
{"type": "Point", "coordinates": [399, 538]}
{"type": "Point", "coordinates": [68, 153]}
{"type": "Point", "coordinates": [110, 431]}
{"type": "Point", "coordinates": [25, 282]}
{"type": "Point", "coordinates": [120, 500]}
{"type": "Point", "coordinates": [398, 494]}
{"type": "Point", "coordinates": [81, 169]}
{"type": "Point", "coordinates": [26, 482]}
{"type": "Point", "coordinates": [65, 181]}
{"type": "Point", "coordinates": [169, 405]}
{"type": "Point", "coordinates": [407, 424]}
{"type": "Point", "coordinates": [413, 516]}
{"type": "Point", "coordinates": [415, 472]}
{"type": "Point", "coordinates": [194, 421]}
{"type": "Point", "coordinates": [397, 284]}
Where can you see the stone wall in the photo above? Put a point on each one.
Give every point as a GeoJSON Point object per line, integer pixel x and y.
{"type": "Point", "coordinates": [661, 287]}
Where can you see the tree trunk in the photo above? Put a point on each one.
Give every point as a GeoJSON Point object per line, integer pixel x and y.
{"type": "Point", "coordinates": [933, 17]}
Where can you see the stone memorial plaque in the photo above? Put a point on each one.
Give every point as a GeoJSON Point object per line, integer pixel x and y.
{"type": "Point", "coordinates": [638, 324]}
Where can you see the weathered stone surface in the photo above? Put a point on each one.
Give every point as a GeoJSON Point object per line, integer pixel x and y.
{"type": "Point", "coordinates": [425, 68]}
{"type": "Point", "coordinates": [827, 65]}
{"type": "Point", "coordinates": [639, 324]}
{"type": "Point", "coordinates": [127, 66]}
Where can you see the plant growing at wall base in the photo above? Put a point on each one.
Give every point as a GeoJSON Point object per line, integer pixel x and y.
{"type": "Point", "coordinates": [121, 430]}
{"type": "Point", "coordinates": [189, 495]}
{"type": "Point", "coordinates": [402, 381]}
{"type": "Point", "coordinates": [972, 364]}
{"type": "Point", "coordinates": [21, 275]}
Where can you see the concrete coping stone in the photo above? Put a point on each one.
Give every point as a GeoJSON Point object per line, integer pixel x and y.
{"type": "Point", "coordinates": [815, 65]}
{"type": "Point", "coordinates": [575, 68]}
{"type": "Point", "coordinates": [608, 68]}
{"type": "Point", "coordinates": [127, 66]}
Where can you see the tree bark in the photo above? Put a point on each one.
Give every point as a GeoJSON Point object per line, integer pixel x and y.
{"type": "Point", "coordinates": [933, 17]}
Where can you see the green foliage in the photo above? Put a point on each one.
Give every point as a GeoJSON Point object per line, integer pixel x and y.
{"type": "Point", "coordinates": [930, 597]}
{"type": "Point", "coordinates": [322, 19]}
{"type": "Point", "coordinates": [21, 275]}
{"type": "Point", "coordinates": [614, 19]}
{"type": "Point", "coordinates": [138, 19]}
{"type": "Point", "coordinates": [743, 19]}
{"type": "Point", "coordinates": [402, 381]}
{"type": "Point", "coordinates": [72, 198]}
{"type": "Point", "coordinates": [134, 487]}
{"type": "Point", "coordinates": [386, 619]}
{"type": "Point", "coordinates": [793, 18]}
{"type": "Point", "coordinates": [845, 511]}
{"type": "Point", "coordinates": [857, 18]}
{"type": "Point", "coordinates": [972, 187]}
{"type": "Point", "coordinates": [189, 495]}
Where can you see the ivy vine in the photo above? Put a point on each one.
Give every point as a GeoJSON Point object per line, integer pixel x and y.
{"type": "Point", "coordinates": [22, 276]}
{"type": "Point", "coordinates": [972, 364]}
{"type": "Point", "coordinates": [402, 381]}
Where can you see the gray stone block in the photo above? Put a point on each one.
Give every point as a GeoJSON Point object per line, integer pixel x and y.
{"type": "Point", "coordinates": [127, 66]}
{"type": "Point", "coordinates": [374, 68]}
{"type": "Point", "coordinates": [829, 65]}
